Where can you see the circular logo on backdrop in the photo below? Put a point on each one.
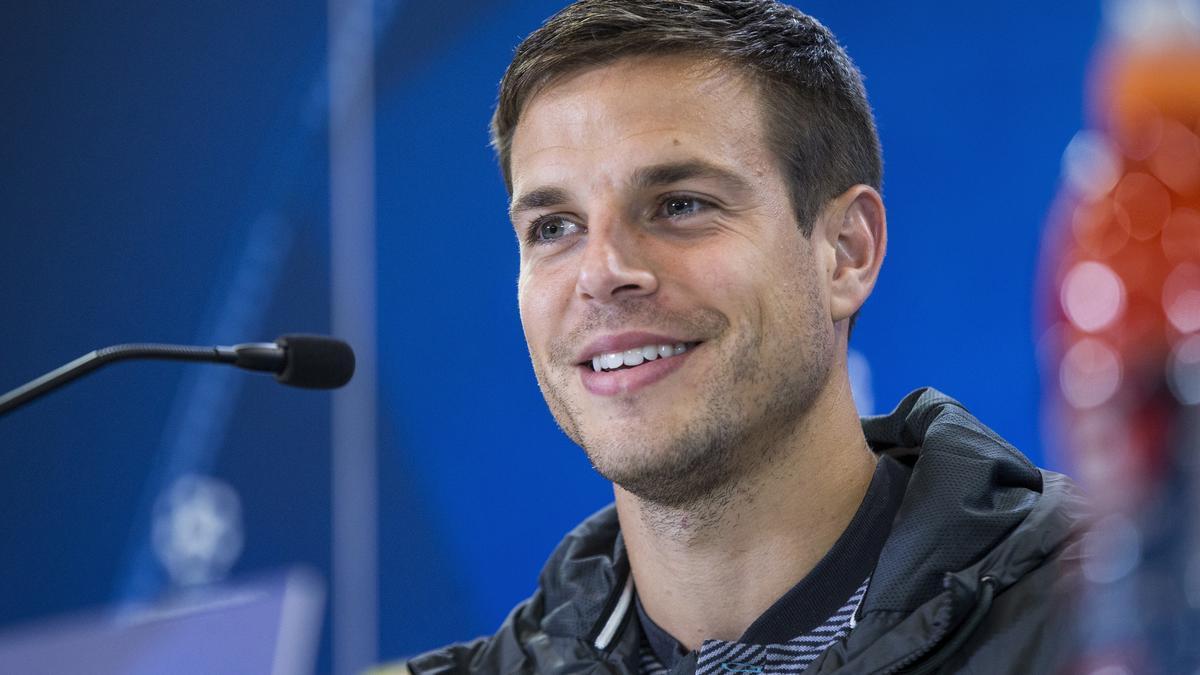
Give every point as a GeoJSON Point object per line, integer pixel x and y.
{"type": "Point", "coordinates": [197, 530]}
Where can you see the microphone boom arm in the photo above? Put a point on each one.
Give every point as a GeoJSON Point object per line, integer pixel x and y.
{"type": "Point", "coordinates": [263, 356]}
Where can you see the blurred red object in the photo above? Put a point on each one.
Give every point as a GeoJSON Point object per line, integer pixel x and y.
{"type": "Point", "coordinates": [1121, 348]}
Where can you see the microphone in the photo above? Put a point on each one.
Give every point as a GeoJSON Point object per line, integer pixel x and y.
{"type": "Point", "coordinates": [309, 361]}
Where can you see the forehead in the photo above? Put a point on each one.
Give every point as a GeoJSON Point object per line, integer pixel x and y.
{"type": "Point", "coordinates": [603, 122]}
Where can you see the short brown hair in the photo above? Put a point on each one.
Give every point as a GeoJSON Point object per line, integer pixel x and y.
{"type": "Point", "coordinates": [818, 122]}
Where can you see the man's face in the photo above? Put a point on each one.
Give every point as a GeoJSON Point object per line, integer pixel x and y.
{"type": "Point", "coordinates": [677, 319]}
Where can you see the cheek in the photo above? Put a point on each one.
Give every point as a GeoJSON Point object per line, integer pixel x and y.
{"type": "Point", "coordinates": [784, 294]}
{"type": "Point", "coordinates": [800, 298]}
{"type": "Point", "coordinates": [538, 304]}
{"type": "Point", "coordinates": [527, 307]}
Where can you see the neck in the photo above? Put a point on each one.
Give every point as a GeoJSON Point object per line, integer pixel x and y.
{"type": "Point", "coordinates": [708, 570]}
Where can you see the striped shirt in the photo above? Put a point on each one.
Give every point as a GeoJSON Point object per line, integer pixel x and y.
{"type": "Point", "coordinates": [792, 656]}
{"type": "Point", "coordinates": [816, 613]}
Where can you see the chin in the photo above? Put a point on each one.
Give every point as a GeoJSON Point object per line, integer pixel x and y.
{"type": "Point", "coordinates": [673, 470]}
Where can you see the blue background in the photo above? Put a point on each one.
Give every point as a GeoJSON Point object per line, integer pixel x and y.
{"type": "Point", "coordinates": [165, 178]}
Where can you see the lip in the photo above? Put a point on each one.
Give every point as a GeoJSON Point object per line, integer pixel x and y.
{"type": "Point", "coordinates": [628, 381]}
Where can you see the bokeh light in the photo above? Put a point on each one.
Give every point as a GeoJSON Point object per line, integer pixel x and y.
{"type": "Point", "coordinates": [1181, 297]}
{"type": "Point", "coordinates": [1090, 374]}
{"type": "Point", "coordinates": [1176, 162]}
{"type": "Point", "coordinates": [1111, 549]}
{"type": "Point", "coordinates": [1101, 227]}
{"type": "Point", "coordinates": [1183, 371]}
{"type": "Point", "coordinates": [1146, 202]}
{"type": "Point", "coordinates": [1092, 296]}
{"type": "Point", "coordinates": [1091, 164]}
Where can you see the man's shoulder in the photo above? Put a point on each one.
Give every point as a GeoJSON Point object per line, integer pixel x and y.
{"type": "Point", "coordinates": [974, 504]}
{"type": "Point", "coordinates": [982, 554]}
{"type": "Point", "coordinates": [579, 614]}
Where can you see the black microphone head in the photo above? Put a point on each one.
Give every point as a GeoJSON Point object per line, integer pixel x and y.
{"type": "Point", "coordinates": [315, 362]}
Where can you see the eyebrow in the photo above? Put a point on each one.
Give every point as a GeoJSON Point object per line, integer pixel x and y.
{"type": "Point", "coordinates": [659, 175]}
{"type": "Point", "coordinates": [538, 199]}
{"type": "Point", "coordinates": [656, 175]}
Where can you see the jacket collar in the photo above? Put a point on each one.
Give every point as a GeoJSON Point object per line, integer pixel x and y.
{"type": "Point", "coordinates": [974, 507]}
{"type": "Point", "coordinates": [969, 489]}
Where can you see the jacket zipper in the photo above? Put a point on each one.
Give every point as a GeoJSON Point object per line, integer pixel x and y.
{"type": "Point", "coordinates": [940, 650]}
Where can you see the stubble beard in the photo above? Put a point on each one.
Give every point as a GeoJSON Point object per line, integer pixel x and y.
{"type": "Point", "coordinates": [727, 438]}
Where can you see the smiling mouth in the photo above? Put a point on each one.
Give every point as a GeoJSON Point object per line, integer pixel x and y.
{"type": "Point", "coordinates": [632, 358]}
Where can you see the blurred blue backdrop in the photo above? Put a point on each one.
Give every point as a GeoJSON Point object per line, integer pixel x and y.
{"type": "Point", "coordinates": [166, 176]}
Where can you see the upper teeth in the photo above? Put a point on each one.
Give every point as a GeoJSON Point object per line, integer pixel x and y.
{"type": "Point", "coordinates": [635, 357]}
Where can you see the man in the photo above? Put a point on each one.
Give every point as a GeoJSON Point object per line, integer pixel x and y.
{"type": "Point", "coordinates": [695, 188]}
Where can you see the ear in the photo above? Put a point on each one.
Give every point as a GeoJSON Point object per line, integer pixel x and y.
{"type": "Point", "coordinates": [855, 228]}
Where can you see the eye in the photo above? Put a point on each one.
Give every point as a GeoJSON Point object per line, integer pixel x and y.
{"type": "Point", "coordinates": [550, 228]}
{"type": "Point", "coordinates": [675, 207]}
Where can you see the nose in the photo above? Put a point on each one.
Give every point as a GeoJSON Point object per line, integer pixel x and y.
{"type": "Point", "coordinates": [615, 265]}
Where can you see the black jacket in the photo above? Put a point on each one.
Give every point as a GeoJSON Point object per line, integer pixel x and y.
{"type": "Point", "coordinates": [976, 575]}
